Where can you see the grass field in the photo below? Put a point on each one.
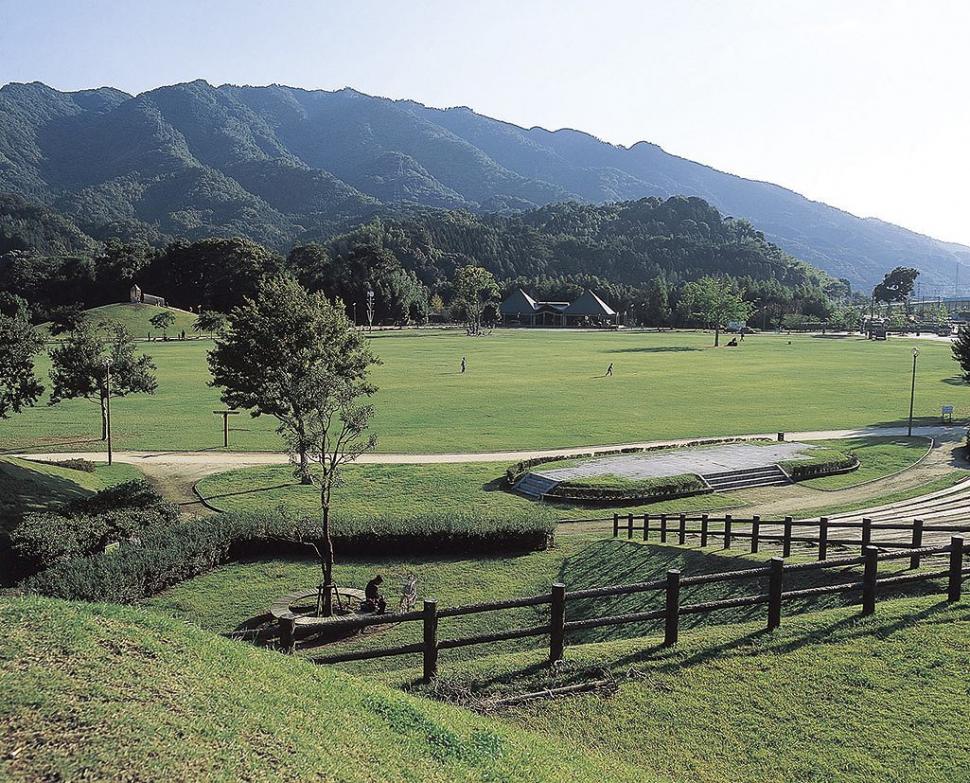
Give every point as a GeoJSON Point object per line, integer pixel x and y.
{"type": "Point", "coordinates": [535, 389]}
{"type": "Point", "coordinates": [110, 693]}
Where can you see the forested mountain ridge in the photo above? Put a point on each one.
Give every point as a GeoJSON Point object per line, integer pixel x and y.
{"type": "Point", "coordinates": [281, 165]}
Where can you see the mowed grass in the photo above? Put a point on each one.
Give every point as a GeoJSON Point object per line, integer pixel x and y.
{"type": "Point", "coordinates": [829, 697]}
{"type": "Point", "coordinates": [136, 318]}
{"type": "Point", "coordinates": [878, 457]}
{"type": "Point", "coordinates": [100, 692]}
{"type": "Point", "coordinates": [545, 389]}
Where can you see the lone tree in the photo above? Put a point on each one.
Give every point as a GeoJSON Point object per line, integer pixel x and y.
{"type": "Point", "coordinates": [716, 301]}
{"type": "Point", "coordinates": [210, 321]}
{"type": "Point", "coordinates": [656, 305]}
{"type": "Point", "coordinates": [19, 343]}
{"type": "Point", "coordinates": [162, 321]}
{"type": "Point", "coordinates": [80, 367]}
{"type": "Point", "coordinates": [961, 351]}
{"type": "Point", "coordinates": [271, 344]}
{"type": "Point", "coordinates": [896, 286]}
{"type": "Point", "coordinates": [474, 290]}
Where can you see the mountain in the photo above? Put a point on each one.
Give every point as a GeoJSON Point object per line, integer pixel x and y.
{"type": "Point", "coordinates": [279, 164]}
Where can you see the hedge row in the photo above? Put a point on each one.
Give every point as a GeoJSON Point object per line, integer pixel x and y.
{"type": "Point", "coordinates": [801, 470]}
{"type": "Point", "coordinates": [642, 491]}
{"type": "Point", "coordinates": [166, 556]}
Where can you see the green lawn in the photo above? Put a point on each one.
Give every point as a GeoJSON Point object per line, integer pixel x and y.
{"type": "Point", "coordinates": [830, 697]}
{"type": "Point", "coordinates": [136, 319]}
{"type": "Point", "coordinates": [878, 457]}
{"type": "Point", "coordinates": [531, 389]}
{"type": "Point", "coordinates": [111, 693]}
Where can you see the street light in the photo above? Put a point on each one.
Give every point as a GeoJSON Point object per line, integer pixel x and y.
{"type": "Point", "coordinates": [107, 402]}
{"type": "Point", "coordinates": [912, 393]}
{"type": "Point", "coordinates": [370, 307]}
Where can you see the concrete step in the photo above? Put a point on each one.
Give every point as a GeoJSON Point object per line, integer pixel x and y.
{"type": "Point", "coordinates": [726, 481]}
{"type": "Point", "coordinates": [535, 486]}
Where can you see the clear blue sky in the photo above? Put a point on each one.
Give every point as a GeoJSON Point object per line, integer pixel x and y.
{"type": "Point", "coordinates": [863, 104]}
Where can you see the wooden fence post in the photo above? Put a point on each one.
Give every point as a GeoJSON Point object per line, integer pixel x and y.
{"type": "Point", "coordinates": [629, 525]}
{"type": "Point", "coordinates": [956, 569]}
{"type": "Point", "coordinates": [727, 531]}
{"type": "Point", "coordinates": [672, 619]}
{"type": "Point", "coordinates": [287, 635]}
{"type": "Point", "coordinates": [869, 580]}
{"type": "Point", "coordinates": [866, 532]}
{"type": "Point", "coordinates": [914, 560]}
{"type": "Point", "coordinates": [557, 624]}
{"type": "Point", "coordinates": [786, 538]}
{"type": "Point", "coordinates": [775, 579]}
{"type": "Point", "coordinates": [646, 527]}
{"type": "Point", "coordinates": [682, 532]}
{"type": "Point", "coordinates": [703, 530]}
{"type": "Point", "coordinates": [823, 538]}
{"type": "Point", "coordinates": [755, 532]}
{"type": "Point", "coordinates": [616, 525]}
{"type": "Point", "coordinates": [430, 639]}
{"type": "Point", "coordinates": [663, 528]}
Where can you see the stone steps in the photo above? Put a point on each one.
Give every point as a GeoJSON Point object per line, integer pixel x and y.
{"type": "Point", "coordinates": [729, 480]}
{"type": "Point", "coordinates": [535, 486]}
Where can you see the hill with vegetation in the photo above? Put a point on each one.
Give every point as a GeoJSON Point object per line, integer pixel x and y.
{"type": "Point", "coordinates": [150, 698]}
{"type": "Point", "coordinates": [277, 164]}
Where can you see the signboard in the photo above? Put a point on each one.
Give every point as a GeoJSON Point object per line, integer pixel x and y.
{"type": "Point", "coordinates": [947, 410]}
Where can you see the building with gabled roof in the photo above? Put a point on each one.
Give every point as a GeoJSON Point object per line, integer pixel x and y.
{"type": "Point", "coordinates": [520, 309]}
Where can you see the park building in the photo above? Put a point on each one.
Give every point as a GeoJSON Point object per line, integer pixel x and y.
{"type": "Point", "coordinates": [137, 296]}
{"type": "Point", "coordinates": [520, 309]}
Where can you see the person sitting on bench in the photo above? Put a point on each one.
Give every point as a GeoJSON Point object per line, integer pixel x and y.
{"type": "Point", "coordinates": [374, 601]}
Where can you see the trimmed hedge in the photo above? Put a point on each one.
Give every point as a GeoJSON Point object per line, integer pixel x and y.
{"type": "Point", "coordinates": [639, 491]}
{"type": "Point", "coordinates": [825, 461]}
{"type": "Point", "coordinates": [166, 556]}
{"type": "Point", "coordinates": [85, 526]}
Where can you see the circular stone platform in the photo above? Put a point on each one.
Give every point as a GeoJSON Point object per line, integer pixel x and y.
{"type": "Point", "coordinates": [701, 460]}
{"type": "Point", "coordinates": [282, 608]}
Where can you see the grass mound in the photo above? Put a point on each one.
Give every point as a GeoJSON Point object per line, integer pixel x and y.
{"type": "Point", "coordinates": [120, 694]}
{"type": "Point", "coordinates": [136, 318]}
{"type": "Point", "coordinates": [828, 697]}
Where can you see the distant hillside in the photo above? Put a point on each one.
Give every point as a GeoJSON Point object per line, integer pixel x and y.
{"type": "Point", "coordinates": [276, 164]}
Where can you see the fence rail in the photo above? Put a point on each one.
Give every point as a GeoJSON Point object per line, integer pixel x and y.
{"type": "Point", "coordinates": [557, 599]}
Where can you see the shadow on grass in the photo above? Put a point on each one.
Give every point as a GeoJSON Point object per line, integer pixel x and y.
{"type": "Point", "coordinates": [656, 349]}
{"type": "Point", "coordinates": [50, 444]}
{"type": "Point", "coordinates": [956, 380]}
{"type": "Point", "coordinates": [253, 490]}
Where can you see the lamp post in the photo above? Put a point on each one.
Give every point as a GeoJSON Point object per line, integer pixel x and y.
{"type": "Point", "coordinates": [107, 402]}
{"type": "Point", "coordinates": [370, 308]}
{"type": "Point", "coordinates": [912, 393]}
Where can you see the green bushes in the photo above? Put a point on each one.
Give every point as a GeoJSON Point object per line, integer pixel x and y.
{"type": "Point", "coordinates": [165, 556]}
{"type": "Point", "coordinates": [824, 461]}
{"type": "Point", "coordinates": [85, 526]}
{"type": "Point", "coordinates": [84, 465]}
{"type": "Point", "coordinates": [613, 489]}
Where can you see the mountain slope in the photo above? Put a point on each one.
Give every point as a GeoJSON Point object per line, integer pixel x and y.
{"type": "Point", "coordinates": [276, 163]}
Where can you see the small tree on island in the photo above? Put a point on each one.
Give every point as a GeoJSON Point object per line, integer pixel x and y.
{"type": "Point", "coordinates": [80, 368]}
{"type": "Point", "coordinates": [271, 345]}
{"type": "Point", "coordinates": [474, 290]}
{"type": "Point", "coordinates": [210, 321]}
{"type": "Point", "coordinates": [716, 301]}
{"type": "Point", "coordinates": [162, 321]}
{"type": "Point", "coordinates": [19, 343]}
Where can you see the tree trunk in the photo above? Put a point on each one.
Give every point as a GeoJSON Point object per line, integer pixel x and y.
{"type": "Point", "coordinates": [304, 467]}
{"type": "Point", "coordinates": [104, 418]}
{"type": "Point", "coordinates": [717, 335]}
{"type": "Point", "coordinates": [327, 556]}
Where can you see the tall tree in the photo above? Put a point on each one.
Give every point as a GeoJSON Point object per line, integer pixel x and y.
{"type": "Point", "coordinates": [896, 286]}
{"type": "Point", "coordinates": [271, 343]}
{"type": "Point", "coordinates": [19, 343]}
{"type": "Point", "coordinates": [716, 301]}
{"type": "Point", "coordinates": [656, 305]}
{"type": "Point", "coordinates": [474, 289]}
{"type": "Point", "coordinates": [961, 351]}
{"type": "Point", "coordinates": [210, 321]}
{"type": "Point", "coordinates": [80, 368]}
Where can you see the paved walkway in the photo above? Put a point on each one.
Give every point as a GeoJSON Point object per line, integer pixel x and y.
{"type": "Point", "coordinates": [702, 460]}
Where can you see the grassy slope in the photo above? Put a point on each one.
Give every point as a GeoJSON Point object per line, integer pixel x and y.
{"type": "Point", "coordinates": [232, 597]}
{"type": "Point", "coordinates": [112, 694]}
{"type": "Point", "coordinates": [878, 457]}
{"type": "Point", "coordinates": [33, 486]}
{"type": "Point", "coordinates": [829, 697]}
{"type": "Point", "coordinates": [543, 389]}
{"type": "Point", "coordinates": [136, 318]}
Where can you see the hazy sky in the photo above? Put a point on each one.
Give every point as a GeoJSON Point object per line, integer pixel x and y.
{"type": "Point", "coordinates": [864, 104]}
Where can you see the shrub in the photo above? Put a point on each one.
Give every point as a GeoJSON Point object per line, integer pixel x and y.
{"type": "Point", "coordinates": [165, 556]}
{"type": "Point", "coordinates": [83, 527]}
{"type": "Point", "coordinates": [76, 464]}
{"type": "Point", "coordinates": [824, 461]}
{"type": "Point", "coordinates": [610, 489]}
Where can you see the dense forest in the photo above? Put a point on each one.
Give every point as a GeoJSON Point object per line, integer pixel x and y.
{"type": "Point", "coordinates": [635, 254]}
{"type": "Point", "coordinates": [283, 166]}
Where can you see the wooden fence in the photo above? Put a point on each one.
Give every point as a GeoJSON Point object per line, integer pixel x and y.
{"type": "Point", "coordinates": [728, 528]}
{"type": "Point", "coordinates": [557, 627]}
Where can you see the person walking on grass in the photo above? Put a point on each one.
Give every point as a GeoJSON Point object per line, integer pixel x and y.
{"type": "Point", "coordinates": [609, 370]}
{"type": "Point", "coordinates": [463, 365]}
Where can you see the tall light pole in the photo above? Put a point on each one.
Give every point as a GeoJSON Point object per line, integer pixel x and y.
{"type": "Point", "coordinates": [370, 308]}
{"type": "Point", "coordinates": [912, 393]}
{"type": "Point", "coordinates": [107, 402]}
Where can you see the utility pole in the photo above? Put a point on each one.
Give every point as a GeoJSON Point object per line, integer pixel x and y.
{"type": "Point", "coordinates": [912, 394]}
{"type": "Point", "coordinates": [107, 402]}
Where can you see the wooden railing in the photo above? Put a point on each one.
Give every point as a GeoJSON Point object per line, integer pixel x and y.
{"type": "Point", "coordinates": [728, 528]}
{"type": "Point", "coordinates": [557, 627]}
